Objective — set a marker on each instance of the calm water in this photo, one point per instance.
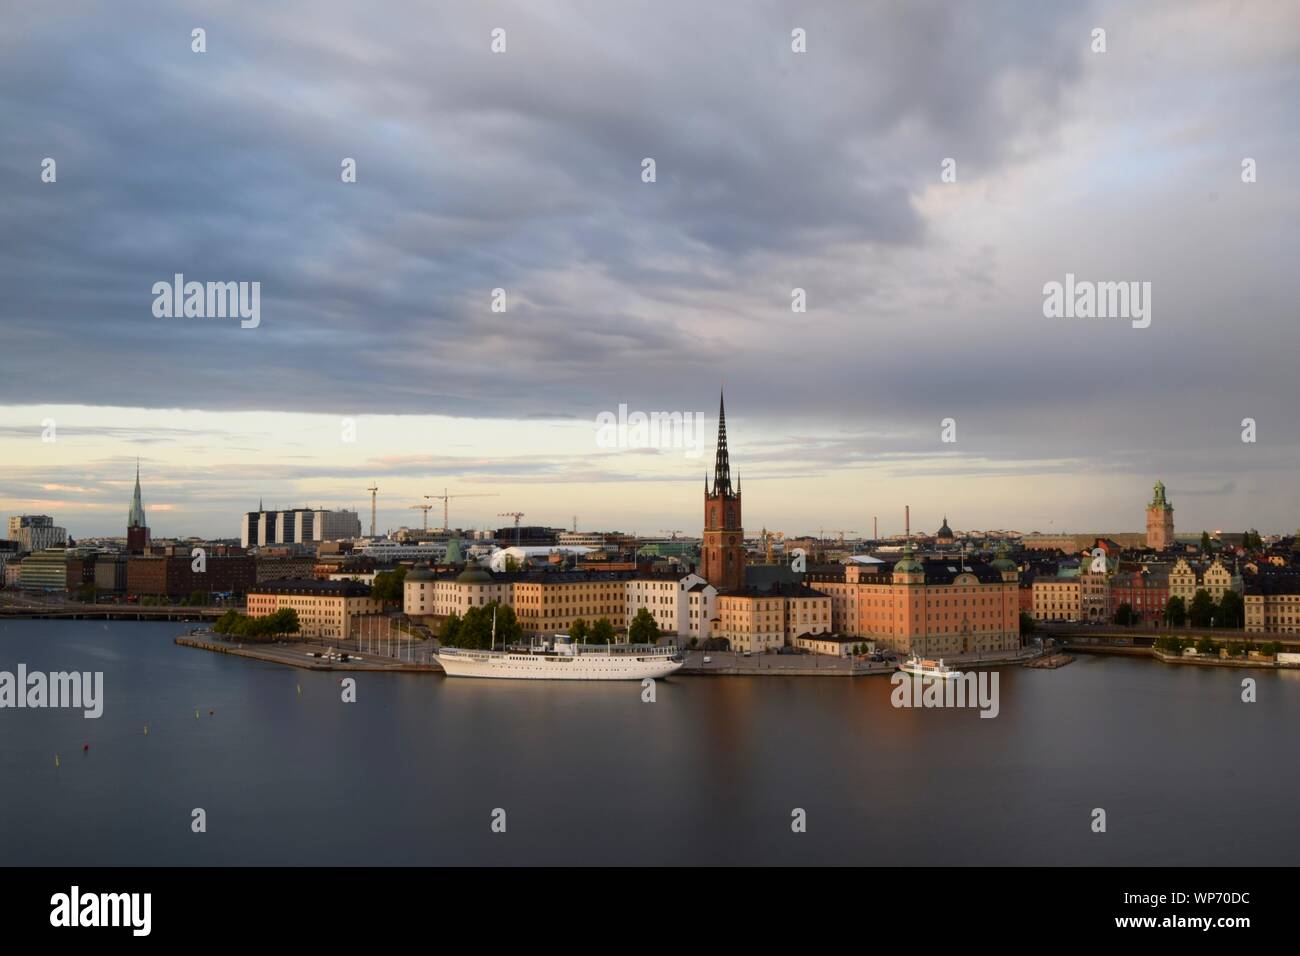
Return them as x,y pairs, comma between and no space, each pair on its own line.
587,773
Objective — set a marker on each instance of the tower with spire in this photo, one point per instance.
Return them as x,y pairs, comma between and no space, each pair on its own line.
137,531
722,555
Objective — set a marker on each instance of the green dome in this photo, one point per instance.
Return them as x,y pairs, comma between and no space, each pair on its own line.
473,574
1002,561
908,562
420,572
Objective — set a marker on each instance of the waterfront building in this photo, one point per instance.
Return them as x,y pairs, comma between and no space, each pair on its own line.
1094,589
1272,603
1058,597
548,602
1187,577
681,604
110,573
757,620
326,609
832,645
137,529
45,570
427,594
1160,520
1145,590
37,533
722,553
931,607
172,575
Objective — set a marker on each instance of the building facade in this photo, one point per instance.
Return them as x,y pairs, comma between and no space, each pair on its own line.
756,621
326,609
932,607
1273,603
681,604
37,532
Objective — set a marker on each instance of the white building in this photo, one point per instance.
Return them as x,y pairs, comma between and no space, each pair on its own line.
298,526
682,604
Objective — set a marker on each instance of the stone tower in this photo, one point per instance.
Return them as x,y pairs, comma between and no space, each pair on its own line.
723,552
1160,520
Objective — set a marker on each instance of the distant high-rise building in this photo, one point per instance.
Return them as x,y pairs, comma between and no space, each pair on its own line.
1160,520
137,530
37,532
298,526
722,555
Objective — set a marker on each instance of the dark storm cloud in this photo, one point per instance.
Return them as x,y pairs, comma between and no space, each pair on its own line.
476,171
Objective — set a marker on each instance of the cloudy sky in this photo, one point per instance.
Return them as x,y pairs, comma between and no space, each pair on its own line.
522,170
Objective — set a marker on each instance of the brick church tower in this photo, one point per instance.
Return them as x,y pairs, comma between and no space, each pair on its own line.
723,552
1160,520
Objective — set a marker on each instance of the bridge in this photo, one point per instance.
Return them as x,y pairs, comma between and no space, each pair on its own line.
111,612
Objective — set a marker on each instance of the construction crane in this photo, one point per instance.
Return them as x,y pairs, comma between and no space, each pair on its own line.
671,531
446,497
842,533
374,490
425,509
516,515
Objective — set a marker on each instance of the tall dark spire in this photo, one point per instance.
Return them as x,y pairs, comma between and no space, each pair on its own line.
136,517
721,463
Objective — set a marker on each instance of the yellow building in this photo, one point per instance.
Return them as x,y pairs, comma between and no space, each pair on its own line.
550,601
754,620
1273,604
1186,578
326,609
1058,599
429,595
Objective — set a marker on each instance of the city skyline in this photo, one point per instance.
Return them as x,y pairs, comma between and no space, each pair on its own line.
925,297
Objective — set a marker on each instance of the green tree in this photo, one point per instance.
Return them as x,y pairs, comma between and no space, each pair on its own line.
1205,542
388,586
578,631
449,631
198,598
226,623
602,632
1202,609
1027,624
1176,612
86,593
1124,614
1232,610
643,629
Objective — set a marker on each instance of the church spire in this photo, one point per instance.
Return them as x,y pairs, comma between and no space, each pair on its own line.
136,517
721,463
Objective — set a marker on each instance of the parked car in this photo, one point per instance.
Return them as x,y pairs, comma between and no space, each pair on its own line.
707,659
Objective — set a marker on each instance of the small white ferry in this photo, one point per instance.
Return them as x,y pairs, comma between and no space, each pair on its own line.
919,667
561,659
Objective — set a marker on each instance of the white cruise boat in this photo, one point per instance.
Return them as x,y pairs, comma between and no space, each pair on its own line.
561,659
919,667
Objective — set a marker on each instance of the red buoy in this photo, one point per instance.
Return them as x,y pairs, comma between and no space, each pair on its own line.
85,747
